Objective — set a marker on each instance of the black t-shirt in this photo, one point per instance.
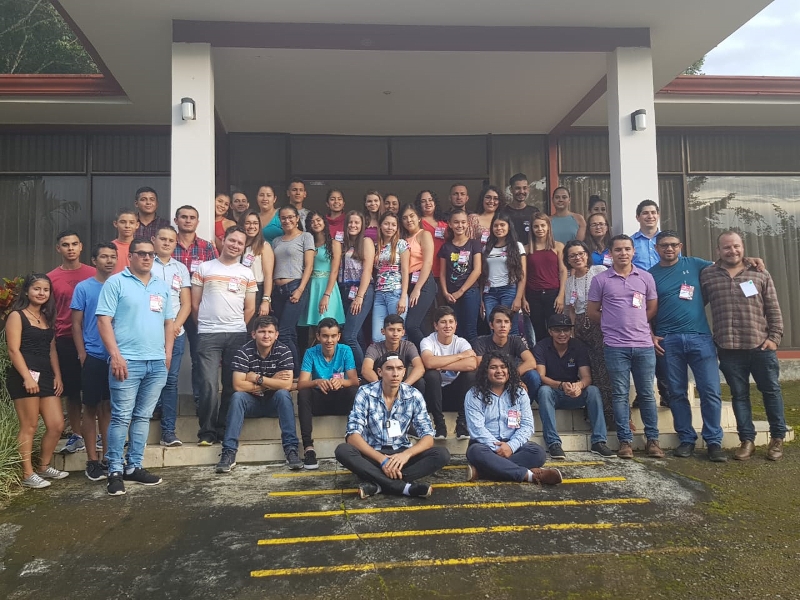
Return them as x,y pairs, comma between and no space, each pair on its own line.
522,219
459,261
562,368
515,346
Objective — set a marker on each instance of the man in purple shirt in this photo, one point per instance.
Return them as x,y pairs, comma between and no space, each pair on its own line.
628,298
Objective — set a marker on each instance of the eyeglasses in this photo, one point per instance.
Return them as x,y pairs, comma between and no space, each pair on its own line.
288,218
561,329
669,245
491,199
575,255
142,254
599,224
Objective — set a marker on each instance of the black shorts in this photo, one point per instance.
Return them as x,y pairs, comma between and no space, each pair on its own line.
16,388
70,366
94,377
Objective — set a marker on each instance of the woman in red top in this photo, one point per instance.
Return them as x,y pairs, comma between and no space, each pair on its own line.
335,217
222,202
546,276
431,220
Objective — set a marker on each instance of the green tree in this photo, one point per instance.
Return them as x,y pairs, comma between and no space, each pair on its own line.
34,39
696,67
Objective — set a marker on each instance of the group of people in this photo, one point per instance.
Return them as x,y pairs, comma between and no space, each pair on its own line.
572,313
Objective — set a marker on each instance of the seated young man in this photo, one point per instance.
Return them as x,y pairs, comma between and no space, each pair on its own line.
393,331
327,385
376,446
500,424
449,361
564,366
262,376
513,346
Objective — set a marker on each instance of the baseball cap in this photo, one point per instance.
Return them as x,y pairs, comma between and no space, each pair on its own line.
559,321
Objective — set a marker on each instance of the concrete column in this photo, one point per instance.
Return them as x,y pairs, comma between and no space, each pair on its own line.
192,180
634,168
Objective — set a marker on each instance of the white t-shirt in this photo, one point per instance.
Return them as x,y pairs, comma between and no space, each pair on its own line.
577,289
433,345
497,267
224,290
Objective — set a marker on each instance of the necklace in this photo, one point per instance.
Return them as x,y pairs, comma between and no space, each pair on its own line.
38,320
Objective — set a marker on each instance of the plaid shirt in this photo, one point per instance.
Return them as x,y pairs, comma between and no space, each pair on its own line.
149,231
369,416
739,322
199,250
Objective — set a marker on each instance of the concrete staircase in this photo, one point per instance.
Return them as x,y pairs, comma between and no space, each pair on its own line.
260,439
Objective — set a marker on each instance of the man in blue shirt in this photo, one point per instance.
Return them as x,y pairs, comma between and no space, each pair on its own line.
377,448
93,356
134,317
327,385
500,424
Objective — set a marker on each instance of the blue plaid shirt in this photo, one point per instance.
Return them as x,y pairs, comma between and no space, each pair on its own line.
369,416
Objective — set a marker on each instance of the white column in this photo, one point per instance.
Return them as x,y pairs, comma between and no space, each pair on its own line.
193,177
634,168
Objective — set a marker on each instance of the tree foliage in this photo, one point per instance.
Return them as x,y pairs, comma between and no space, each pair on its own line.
34,39
696,67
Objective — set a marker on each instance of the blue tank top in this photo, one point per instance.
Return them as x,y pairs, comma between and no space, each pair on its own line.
564,228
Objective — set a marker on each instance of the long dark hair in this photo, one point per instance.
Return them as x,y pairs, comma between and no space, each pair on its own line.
403,209
437,210
482,386
357,242
513,256
501,199
326,232
391,241
22,301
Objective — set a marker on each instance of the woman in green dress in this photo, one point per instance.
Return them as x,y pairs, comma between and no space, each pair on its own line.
324,298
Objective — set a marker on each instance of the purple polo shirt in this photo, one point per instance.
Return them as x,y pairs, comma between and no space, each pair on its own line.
623,325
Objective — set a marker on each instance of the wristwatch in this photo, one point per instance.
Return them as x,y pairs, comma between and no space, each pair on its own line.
260,380
266,299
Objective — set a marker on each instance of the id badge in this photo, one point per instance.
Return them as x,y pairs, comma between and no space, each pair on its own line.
687,292
638,300
514,419
233,284
338,376
393,428
607,262
463,257
573,297
439,233
353,292
484,237
415,277
155,302
486,289
34,375
176,283
196,262
339,237
248,260
749,288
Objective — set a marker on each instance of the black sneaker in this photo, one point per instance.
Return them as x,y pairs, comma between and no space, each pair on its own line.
716,453
115,485
603,450
420,490
139,475
684,450
367,489
227,460
94,472
293,460
441,432
310,460
556,452
462,433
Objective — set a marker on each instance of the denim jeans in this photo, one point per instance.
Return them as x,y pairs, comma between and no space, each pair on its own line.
168,401
213,409
354,323
272,404
620,364
681,351
551,399
467,309
501,296
289,316
533,382
416,314
190,327
497,468
385,304
132,404
737,366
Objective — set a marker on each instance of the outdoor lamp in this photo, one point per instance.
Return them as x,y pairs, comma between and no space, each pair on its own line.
639,120
187,109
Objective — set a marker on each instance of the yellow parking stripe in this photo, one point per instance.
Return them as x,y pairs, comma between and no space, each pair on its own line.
586,463
440,486
352,537
424,507
455,562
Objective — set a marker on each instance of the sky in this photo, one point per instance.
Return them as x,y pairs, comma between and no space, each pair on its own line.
768,44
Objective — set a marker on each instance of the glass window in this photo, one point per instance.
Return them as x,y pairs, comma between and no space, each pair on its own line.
512,154
256,159
110,193
135,153
754,153
439,155
318,155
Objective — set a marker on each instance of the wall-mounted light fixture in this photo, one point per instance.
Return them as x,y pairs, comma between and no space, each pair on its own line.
187,109
639,120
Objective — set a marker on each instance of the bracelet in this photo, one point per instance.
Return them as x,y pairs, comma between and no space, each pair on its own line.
385,460
361,297
328,295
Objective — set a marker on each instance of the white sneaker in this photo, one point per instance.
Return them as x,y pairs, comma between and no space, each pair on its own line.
35,482
53,473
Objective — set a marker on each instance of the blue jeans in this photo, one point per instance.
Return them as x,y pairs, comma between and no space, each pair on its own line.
271,404
289,316
216,348
168,402
192,339
467,309
551,399
132,404
416,314
620,364
698,352
385,304
737,366
533,382
354,323
497,468
501,296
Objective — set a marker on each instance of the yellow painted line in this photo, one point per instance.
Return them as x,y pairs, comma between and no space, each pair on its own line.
457,562
587,463
352,537
440,486
424,507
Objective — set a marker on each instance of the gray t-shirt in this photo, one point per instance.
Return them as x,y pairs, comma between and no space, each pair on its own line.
290,256
514,347
407,351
